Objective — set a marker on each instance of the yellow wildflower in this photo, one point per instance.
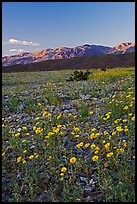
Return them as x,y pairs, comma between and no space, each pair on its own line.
108,116
107,145
62,174
23,141
128,96
104,118
131,104
120,150
45,113
115,121
17,134
3,154
110,154
18,159
46,137
39,104
124,120
38,130
125,108
49,115
64,169
50,133
59,116
92,135
31,157
97,148
91,112
94,158
72,160
87,145
97,134
93,145
105,164
109,112
126,128
59,126
72,133
113,133
50,157
61,133
80,144
125,144
106,133
76,129
37,156
34,128
24,128
69,114
119,129
94,129
56,130
24,161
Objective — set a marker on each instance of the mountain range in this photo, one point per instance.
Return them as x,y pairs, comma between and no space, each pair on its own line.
66,53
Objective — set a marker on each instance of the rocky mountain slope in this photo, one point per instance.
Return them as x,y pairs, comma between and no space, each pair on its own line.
86,62
124,48
65,53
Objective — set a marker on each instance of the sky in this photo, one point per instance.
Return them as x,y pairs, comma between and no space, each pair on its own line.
34,26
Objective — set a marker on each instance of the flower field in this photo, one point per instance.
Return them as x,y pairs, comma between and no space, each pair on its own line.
68,141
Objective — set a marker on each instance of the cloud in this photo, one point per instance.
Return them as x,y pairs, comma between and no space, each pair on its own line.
13,41
16,50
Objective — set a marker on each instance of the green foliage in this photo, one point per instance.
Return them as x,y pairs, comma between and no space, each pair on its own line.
79,75
103,69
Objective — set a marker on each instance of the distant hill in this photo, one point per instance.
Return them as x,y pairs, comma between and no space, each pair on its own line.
110,60
66,53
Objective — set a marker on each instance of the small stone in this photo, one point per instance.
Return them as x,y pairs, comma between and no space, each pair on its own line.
84,180
91,181
43,197
19,129
88,191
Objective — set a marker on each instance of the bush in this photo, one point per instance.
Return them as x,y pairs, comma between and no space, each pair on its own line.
79,75
103,69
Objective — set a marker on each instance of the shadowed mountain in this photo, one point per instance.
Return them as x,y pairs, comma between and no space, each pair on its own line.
86,62
66,53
